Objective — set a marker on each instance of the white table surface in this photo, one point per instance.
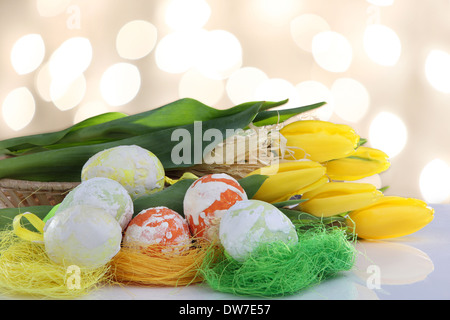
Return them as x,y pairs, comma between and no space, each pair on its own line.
408,268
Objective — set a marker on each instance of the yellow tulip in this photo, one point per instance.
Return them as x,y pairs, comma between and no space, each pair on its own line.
335,198
363,163
390,217
289,178
319,140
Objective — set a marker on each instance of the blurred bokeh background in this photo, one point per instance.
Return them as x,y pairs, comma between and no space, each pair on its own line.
383,66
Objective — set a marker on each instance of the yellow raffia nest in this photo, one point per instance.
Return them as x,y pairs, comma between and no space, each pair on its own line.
26,270
153,266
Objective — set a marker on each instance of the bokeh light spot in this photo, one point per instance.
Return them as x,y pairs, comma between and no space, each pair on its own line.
90,109
435,181
388,133
43,81
277,89
275,11
194,84
28,53
176,52
71,59
18,108
351,99
382,44
332,51
120,83
67,96
437,70
136,39
51,8
242,84
305,27
219,54
187,14
311,92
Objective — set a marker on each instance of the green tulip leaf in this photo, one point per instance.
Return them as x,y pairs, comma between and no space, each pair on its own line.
26,143
7,216
270,117
288,203
171,197
251,184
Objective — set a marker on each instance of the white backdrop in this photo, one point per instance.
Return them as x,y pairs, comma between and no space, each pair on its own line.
383,66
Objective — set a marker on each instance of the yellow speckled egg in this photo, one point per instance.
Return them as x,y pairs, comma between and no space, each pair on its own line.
138,170
83,235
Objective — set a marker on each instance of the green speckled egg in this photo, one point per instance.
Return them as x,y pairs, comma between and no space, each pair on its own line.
249,223
103,193
138,170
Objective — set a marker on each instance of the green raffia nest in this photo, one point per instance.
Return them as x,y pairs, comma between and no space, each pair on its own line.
276,269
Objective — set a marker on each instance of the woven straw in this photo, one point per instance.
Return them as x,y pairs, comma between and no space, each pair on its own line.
20,193
253,149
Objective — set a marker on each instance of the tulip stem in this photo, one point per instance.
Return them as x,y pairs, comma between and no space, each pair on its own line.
304,220
362,141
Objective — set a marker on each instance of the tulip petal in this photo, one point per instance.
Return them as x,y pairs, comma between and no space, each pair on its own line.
363,163
289,178
319,140
390,217
336,198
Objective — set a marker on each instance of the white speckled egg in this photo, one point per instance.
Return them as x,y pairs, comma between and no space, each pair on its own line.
158,226
207,199
104,193
135,168
250,223
82,235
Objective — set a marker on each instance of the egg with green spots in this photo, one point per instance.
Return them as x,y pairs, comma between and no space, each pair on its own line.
81,235
250,223
103,193
137,169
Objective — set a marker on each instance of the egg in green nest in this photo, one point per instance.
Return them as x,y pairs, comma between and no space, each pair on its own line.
250,223
137,169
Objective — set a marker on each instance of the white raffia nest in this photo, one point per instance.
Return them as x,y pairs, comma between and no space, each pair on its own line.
243,153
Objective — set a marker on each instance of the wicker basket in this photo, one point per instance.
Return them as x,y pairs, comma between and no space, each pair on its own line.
19,193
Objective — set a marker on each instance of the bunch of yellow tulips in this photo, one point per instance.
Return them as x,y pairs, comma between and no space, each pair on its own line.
323,163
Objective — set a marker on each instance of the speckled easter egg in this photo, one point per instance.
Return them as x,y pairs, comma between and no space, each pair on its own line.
250,223
138,170
103,193
82,235
160,226
207,199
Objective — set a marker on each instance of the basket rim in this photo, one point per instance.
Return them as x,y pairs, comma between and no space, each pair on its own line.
36,185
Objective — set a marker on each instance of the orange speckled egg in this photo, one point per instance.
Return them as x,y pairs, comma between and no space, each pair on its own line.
158,226
207,199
